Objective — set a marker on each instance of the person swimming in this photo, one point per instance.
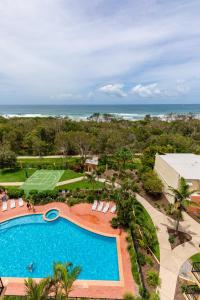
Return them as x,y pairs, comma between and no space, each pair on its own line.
30,267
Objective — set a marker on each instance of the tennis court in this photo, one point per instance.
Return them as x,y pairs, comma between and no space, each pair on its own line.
42,180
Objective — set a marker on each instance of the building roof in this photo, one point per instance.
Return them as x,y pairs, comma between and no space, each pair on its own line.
186,164
93,161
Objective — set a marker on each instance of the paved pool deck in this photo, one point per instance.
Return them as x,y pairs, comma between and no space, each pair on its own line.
97,222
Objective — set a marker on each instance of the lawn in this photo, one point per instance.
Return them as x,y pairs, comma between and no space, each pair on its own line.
57,160
70,174
42,180
195,258
84,184
14,175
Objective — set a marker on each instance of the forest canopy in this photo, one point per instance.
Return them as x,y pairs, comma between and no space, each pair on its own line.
46,136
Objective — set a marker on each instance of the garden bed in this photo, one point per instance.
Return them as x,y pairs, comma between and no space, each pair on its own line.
178,238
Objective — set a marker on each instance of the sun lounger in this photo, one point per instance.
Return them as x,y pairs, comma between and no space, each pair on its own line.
4,206
100,206
106,208
20,202
12,203
94,205
113,209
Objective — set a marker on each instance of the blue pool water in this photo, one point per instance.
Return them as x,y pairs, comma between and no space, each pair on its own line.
30,239
52,214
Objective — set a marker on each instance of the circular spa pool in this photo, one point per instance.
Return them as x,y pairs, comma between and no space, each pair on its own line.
51,215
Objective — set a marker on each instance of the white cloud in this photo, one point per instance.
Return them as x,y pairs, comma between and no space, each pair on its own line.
149,90
51,46
113,90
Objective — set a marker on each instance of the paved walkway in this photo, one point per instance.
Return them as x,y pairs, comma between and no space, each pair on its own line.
71,180
172,260
58,184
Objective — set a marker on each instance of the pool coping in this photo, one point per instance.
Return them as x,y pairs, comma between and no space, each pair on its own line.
84,283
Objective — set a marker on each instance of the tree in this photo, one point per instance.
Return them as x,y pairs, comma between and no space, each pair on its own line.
123,155
91,178
7,158
64,277
37,291
152,183
181,200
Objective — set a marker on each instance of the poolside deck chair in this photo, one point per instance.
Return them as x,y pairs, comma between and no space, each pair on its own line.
12,203
106,207
4,206
20,202
113,209
100,206
94,205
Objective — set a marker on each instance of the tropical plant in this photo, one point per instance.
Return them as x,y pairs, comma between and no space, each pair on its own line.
37,291
181,200
153,278
91,178
64,276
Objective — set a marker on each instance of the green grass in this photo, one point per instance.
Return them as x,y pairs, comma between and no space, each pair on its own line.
84,184
195,258
70,174
57,160
42,180
14,175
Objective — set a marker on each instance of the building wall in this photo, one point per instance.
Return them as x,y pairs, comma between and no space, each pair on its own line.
168,176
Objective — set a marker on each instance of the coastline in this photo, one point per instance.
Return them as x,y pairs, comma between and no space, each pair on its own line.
83,112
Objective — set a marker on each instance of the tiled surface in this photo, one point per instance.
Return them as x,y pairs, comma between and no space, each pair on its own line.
95,221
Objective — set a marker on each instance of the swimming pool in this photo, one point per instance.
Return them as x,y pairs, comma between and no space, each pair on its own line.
31,240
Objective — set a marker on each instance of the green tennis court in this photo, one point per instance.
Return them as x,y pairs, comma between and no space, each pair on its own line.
42,180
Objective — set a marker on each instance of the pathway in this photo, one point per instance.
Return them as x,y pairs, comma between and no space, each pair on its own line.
58,184
172,260
71,180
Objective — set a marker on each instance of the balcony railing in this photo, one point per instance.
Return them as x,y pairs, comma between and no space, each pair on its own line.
196,270
192,292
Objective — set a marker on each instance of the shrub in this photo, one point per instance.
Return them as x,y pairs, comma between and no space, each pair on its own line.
153,278
15,193
128,296
141,259
172,239
152,183
114,223
73,201
154,296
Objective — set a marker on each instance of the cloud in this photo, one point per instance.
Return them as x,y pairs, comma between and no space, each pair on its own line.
149,90
113,90
47,47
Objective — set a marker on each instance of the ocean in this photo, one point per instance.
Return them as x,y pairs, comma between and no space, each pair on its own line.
78,112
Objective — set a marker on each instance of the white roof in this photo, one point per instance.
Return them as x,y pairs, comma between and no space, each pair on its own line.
93,161
186,164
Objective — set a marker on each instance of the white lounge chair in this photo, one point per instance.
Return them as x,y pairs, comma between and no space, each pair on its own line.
106,207
94,205
20,202
100,206
113,209
4,206
12,203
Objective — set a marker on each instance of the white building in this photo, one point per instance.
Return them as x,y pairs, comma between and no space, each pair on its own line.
171,167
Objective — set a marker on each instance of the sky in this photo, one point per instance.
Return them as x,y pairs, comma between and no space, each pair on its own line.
99,51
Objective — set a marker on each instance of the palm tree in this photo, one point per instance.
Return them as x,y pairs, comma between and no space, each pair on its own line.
92,178
64,277
37,291
181,201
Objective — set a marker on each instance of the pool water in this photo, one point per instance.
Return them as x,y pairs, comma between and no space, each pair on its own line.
52,214
31,240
